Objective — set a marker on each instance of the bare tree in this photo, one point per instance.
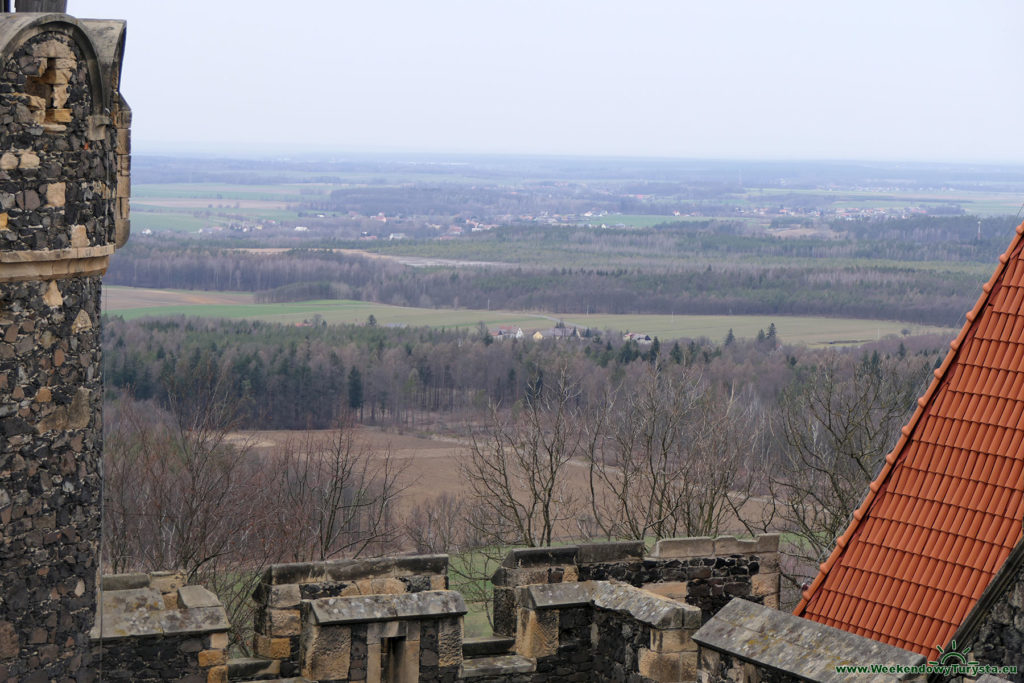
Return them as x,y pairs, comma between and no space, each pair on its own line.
438,525
675,458
339,495
837,422
517,472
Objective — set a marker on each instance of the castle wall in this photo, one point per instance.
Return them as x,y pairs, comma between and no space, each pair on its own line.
63,210
704,572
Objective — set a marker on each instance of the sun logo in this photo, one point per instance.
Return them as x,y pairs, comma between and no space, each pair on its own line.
953,656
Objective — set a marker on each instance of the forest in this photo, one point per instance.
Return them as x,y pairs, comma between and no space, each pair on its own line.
887,270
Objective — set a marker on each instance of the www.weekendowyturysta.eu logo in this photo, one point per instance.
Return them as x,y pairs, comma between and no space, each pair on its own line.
952,662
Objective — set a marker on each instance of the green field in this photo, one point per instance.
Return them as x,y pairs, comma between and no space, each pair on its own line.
131,303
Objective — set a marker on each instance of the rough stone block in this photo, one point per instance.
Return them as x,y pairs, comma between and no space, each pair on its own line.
196,596
209,658
167,582
218,641
284,622
387,607
537,633
674,590
660,667
449,642
554,595
273,648
438,583
673,640
79,236
218,674
762,585
283,596
326,652
699,546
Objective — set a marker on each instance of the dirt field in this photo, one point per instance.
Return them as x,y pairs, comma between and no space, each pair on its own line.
125,298
431,467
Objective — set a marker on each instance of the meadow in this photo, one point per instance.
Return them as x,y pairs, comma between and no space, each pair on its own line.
132,303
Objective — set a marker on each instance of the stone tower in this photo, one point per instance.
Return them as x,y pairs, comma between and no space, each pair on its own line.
64,185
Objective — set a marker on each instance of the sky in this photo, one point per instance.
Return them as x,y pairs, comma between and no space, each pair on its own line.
911,80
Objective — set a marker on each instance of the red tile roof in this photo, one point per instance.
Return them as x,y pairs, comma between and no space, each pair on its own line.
946,509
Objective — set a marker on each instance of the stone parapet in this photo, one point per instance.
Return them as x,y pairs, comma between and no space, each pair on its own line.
416,636
704,572
747,642
154,628
606,632
285,588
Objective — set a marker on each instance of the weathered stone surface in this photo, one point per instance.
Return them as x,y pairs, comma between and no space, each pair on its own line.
497,666
616,551
387,607
537,633
554,595
653,610
352,570
196,596
780,642
326,652
701,546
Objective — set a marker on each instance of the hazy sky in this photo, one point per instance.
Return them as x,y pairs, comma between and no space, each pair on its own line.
889,80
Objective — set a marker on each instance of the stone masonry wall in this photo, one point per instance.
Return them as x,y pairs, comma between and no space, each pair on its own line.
996,635
703,572
284,588
154,628
50,445
63,209
61,169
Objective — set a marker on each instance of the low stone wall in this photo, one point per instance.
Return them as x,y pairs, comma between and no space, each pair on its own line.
153,628
605,632
285,587
746,643
414,636
704,572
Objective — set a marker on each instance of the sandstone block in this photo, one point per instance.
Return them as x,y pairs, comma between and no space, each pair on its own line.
218,674
8,162
537,633
53,49
209,658
218,641
764,584
81,323
658,666
284,595
284,622
449,642
55,194
673,640
52,296
326,652
28,160
79,237
273,648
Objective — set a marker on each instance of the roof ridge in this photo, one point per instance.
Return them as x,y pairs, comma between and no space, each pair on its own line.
922,403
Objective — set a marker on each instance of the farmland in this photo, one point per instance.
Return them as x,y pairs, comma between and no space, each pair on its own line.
132,303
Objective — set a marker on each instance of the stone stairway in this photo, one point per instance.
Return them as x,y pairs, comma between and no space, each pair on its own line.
493,656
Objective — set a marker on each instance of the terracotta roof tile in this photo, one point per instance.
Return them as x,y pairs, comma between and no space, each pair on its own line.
943,515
